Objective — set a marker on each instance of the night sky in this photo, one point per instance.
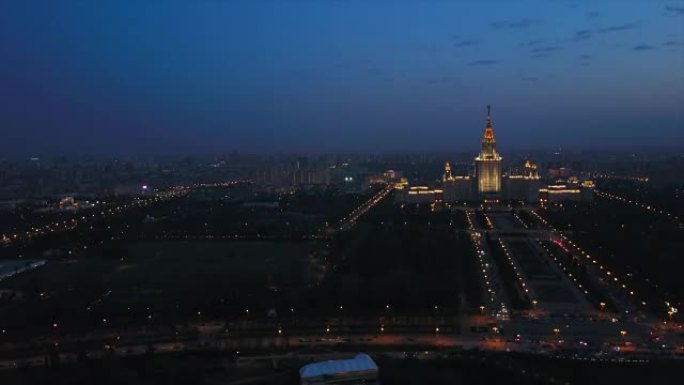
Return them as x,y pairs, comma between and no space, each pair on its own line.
151,77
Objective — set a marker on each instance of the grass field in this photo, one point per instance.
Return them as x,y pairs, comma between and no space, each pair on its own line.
167,280
412,259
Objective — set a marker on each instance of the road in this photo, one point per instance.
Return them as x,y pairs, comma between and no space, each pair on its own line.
350,219
537,337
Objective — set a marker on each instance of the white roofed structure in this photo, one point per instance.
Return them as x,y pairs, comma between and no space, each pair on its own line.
358,370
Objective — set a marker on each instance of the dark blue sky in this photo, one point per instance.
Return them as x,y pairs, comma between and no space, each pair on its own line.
136,77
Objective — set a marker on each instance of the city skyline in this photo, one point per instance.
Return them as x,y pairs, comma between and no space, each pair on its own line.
210,78
368,192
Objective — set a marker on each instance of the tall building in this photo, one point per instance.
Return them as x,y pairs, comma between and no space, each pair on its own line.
488,163
489,183
457,187
522,186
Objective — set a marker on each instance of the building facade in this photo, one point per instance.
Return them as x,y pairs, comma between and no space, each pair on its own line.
488,164
488,183
522,186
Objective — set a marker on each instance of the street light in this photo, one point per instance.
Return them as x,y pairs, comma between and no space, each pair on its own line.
482,309
623,333
603,305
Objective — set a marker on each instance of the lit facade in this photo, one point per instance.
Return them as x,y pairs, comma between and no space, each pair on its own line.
570,189
488,163
457,187
523,186
488,183
417,194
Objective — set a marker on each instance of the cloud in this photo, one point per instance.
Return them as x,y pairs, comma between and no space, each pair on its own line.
374,71
378,74
465,43
675,10
529,78
672,43
584,34
484,62
584,59
304,73
540,52
593,15
531,43
515,24
643,47
546,49
616,28
440,80
428,47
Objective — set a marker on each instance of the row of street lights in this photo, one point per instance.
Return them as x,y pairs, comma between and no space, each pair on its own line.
485,267
367,205
609,276
649,208
171,193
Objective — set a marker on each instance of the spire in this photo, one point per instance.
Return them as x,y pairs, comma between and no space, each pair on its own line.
489,131
489,115
447,172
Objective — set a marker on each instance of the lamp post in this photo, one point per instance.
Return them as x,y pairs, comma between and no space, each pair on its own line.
671,312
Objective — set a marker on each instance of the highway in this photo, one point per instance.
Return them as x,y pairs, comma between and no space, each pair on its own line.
104,210
350,219
538,336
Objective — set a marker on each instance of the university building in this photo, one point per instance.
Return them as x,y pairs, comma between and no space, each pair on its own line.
487,183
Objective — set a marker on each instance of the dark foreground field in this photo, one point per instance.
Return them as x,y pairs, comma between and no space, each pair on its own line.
460,368
404,260
159,282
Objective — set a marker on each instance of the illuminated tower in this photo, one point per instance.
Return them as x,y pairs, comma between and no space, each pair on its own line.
447,173
488,163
